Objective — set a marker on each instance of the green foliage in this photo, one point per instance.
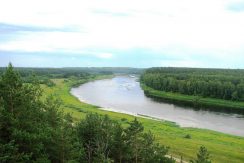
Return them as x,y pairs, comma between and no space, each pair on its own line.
31,129
105,140
203,156
188,136
79,72
195,101
9,153
214,83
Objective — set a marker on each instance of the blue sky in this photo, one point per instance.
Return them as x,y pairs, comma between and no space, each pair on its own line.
138,33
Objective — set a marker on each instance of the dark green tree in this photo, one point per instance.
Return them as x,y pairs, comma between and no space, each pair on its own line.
31,129
153,152
96,133
203,156
134,139
119,147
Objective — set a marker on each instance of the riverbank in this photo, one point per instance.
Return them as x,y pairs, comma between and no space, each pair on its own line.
195,101
223,147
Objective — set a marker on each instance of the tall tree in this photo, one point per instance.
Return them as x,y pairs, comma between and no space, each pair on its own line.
28,126
134,139
203,156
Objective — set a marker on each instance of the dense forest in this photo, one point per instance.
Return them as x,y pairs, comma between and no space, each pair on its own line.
225,84
75,72
43,75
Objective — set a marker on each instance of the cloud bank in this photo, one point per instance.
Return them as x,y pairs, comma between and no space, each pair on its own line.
141,33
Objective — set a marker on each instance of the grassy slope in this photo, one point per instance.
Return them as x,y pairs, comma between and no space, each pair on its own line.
223,148
194,100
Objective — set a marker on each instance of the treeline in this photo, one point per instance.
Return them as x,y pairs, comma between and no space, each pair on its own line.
215,83
49,72
43,75
32,130
74,72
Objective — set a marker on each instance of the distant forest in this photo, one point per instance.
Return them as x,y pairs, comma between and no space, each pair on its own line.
43,75
68,72
225,84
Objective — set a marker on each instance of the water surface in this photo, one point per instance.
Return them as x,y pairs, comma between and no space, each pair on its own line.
123,94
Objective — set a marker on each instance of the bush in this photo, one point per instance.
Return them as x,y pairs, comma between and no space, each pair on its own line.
188,136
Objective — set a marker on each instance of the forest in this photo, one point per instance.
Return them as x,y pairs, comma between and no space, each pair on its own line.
73,71
33,129
227,84
43,75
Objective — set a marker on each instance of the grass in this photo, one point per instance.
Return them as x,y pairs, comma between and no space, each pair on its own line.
197,101
224,148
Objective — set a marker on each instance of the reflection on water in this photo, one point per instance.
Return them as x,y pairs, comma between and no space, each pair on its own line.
123,94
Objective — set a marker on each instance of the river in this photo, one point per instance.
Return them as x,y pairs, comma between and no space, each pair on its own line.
123,94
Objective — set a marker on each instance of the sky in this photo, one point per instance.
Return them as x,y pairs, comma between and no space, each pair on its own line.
122,33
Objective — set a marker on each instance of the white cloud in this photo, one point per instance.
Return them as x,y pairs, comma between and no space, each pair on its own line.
104,55
196,26
181,63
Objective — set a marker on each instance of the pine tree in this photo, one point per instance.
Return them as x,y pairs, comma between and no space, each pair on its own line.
119,147
29,128
21,109
203,156
134,139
